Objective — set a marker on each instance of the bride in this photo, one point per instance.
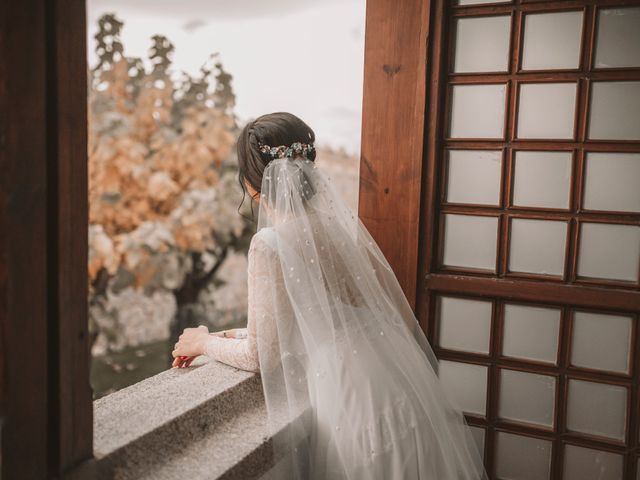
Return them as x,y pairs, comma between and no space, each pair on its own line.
350,381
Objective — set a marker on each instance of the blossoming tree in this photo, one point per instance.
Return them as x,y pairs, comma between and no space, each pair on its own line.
167,245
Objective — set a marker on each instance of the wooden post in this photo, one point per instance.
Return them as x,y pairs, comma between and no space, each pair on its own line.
47,399
393,116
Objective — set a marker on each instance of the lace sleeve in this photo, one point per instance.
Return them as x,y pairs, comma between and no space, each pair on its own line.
261,278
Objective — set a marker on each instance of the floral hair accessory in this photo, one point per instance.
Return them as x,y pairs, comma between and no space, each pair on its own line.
282,151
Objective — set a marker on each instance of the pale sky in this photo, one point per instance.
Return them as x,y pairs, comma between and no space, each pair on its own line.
301,56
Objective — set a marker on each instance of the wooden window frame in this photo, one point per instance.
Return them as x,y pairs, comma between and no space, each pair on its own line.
396,144
568,292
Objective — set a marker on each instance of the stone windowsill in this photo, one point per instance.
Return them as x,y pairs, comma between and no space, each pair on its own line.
205,421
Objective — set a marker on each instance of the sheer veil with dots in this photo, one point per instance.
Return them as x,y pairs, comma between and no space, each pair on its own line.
350,380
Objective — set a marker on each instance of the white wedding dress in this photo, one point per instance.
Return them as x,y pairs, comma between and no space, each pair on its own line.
349,378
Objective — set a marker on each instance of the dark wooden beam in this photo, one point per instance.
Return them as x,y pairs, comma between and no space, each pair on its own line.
393,113
3,230
47,404
24,166
69,146
536,291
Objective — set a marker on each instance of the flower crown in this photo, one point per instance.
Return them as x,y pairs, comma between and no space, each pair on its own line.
282,151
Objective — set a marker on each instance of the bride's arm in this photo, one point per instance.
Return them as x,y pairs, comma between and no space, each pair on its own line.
239,347
242,352
237,352
232,333
192,342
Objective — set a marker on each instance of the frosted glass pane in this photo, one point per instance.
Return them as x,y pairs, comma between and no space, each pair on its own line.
470,241
597,409
586,464
482,44
537,246
477,111
478,435
601,341
552,40
531,332
527,397
609,251
618,40
465,384
612,182
542,179
522,458
464,324
546,110
474,176
615,111
477,2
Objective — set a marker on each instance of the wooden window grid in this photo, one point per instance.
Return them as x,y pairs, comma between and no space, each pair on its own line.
568,292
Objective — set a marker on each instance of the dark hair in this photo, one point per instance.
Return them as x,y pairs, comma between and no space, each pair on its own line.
274,129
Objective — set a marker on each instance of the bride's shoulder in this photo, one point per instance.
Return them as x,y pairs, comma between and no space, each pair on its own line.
265,237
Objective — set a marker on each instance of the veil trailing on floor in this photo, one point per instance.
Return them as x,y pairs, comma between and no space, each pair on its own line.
349,378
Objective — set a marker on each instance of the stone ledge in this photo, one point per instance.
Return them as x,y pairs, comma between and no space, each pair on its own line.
205,421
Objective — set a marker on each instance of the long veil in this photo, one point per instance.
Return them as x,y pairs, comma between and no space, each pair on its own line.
346,369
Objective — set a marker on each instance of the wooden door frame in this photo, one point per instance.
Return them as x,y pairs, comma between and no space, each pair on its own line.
45,398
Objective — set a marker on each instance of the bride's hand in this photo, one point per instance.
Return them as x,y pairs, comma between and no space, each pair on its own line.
191,343
182,362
